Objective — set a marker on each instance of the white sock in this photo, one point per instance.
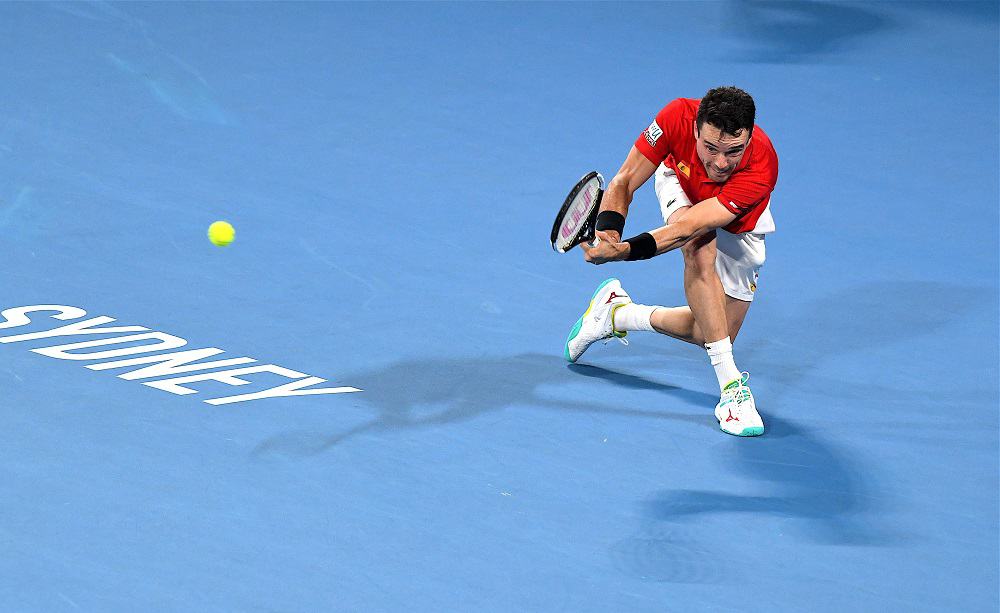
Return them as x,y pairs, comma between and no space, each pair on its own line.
633,316
721,355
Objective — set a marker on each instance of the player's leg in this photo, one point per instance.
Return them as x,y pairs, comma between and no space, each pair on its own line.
706,297
738,262
611,312
679,322
736,410
720,277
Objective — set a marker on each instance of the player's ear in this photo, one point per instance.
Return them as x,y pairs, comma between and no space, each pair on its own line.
694,128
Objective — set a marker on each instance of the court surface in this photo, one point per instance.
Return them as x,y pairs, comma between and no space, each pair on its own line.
392,171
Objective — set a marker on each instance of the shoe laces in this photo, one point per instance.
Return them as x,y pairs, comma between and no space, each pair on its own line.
740,393
624,341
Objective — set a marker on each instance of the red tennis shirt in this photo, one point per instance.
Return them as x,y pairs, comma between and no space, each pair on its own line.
747,192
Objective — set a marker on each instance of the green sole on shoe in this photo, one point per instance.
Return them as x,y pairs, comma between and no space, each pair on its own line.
579,322
746,431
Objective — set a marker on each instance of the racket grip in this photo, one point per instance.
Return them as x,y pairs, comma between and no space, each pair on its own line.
594,242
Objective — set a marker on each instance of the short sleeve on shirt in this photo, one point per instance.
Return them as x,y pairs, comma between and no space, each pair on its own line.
750,187
654,142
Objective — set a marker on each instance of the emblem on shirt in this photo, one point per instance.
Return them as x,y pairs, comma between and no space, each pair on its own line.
653,134
681,166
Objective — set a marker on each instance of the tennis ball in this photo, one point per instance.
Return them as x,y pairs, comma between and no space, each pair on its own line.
221,233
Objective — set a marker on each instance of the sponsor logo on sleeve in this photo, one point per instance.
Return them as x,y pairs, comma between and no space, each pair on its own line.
653,134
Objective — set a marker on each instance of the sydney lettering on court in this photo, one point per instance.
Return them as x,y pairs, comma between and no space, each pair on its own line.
155,364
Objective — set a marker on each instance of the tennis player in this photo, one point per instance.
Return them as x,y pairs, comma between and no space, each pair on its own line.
714,175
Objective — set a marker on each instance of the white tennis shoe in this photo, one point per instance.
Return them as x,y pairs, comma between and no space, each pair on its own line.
597,322
737,411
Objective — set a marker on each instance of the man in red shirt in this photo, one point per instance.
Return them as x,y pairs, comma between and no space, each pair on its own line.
714,175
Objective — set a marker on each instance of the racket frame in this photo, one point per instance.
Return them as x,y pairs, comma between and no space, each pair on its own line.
587,231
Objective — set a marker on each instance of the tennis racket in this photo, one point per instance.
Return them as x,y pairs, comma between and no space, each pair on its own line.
576,221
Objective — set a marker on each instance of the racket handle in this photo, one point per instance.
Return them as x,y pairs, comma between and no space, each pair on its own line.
594,242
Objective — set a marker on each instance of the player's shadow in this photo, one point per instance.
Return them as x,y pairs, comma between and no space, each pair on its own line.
802,31
802,478
629,381
419,393
814,481
856,319
980,12
778,31
795,475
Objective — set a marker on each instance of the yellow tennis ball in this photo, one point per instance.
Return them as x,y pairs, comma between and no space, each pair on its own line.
221,233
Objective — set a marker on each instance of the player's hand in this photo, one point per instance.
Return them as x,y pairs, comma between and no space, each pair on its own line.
613,236
607,250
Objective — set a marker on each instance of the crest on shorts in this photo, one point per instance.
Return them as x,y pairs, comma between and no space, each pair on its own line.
681,166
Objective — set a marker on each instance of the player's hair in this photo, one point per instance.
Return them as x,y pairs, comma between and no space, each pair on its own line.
730,109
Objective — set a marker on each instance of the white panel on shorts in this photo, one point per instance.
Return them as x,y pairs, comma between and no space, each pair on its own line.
669,192
740,256
738,261
765,223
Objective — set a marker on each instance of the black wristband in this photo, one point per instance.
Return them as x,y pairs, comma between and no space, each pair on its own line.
641,247
611,220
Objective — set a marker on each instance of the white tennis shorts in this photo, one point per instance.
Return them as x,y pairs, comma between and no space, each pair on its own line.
740,256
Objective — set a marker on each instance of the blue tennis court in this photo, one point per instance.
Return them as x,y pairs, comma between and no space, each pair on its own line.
392,171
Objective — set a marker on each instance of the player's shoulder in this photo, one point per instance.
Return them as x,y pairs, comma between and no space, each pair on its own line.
681,108
763,149
761,161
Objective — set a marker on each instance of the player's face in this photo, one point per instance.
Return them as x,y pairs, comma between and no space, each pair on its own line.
719,152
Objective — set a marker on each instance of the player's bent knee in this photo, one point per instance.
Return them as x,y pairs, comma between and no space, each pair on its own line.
694,257
698,255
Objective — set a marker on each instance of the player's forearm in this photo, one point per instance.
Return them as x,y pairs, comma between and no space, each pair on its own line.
675,235
666,238
635,171
617,198
702,218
